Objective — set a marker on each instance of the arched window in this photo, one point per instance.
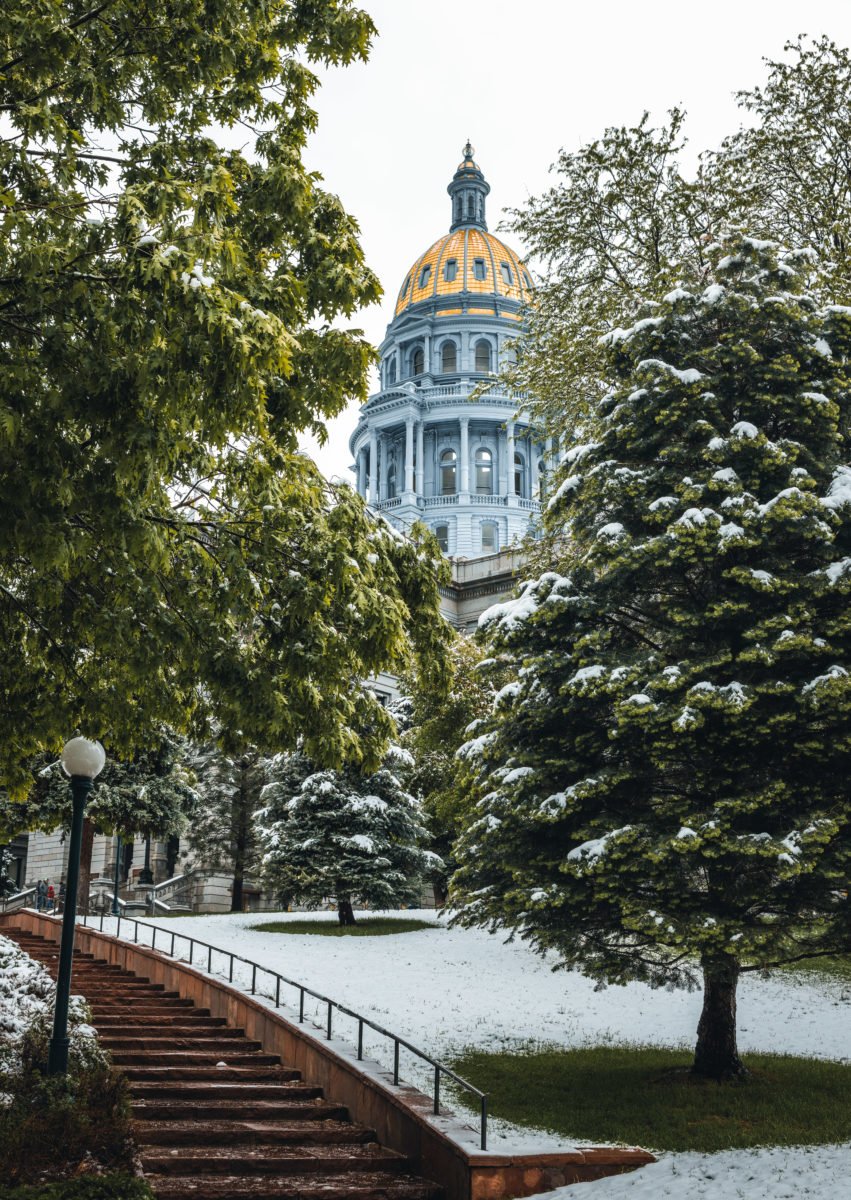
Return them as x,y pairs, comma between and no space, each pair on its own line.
483,356
489,540
519,476
425,275
506,274
542,480
418,361
441,532
391,371
391,476
448,468
484,472
448,357
450,269
480,271
471,205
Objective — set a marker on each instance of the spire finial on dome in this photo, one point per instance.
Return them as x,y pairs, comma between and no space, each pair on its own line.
468,190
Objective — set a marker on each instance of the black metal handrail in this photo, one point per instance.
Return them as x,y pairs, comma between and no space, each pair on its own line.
363,1022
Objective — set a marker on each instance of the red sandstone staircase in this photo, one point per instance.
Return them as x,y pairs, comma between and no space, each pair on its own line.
214,1117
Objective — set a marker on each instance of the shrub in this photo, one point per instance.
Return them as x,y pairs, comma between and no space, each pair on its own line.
114,1186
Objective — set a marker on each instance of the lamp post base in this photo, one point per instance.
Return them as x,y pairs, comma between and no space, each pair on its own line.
57,1056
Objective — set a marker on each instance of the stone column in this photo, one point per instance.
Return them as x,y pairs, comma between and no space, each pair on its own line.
509,454
361,467
533,469
409,454
503,462
373,467
420,459
465,455
427,355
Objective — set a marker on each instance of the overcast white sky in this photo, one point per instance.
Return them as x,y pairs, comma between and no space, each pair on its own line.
521,79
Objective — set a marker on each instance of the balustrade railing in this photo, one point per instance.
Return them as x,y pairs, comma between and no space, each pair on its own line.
329,1005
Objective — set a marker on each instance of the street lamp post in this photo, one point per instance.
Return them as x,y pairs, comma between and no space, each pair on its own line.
116,912
83,761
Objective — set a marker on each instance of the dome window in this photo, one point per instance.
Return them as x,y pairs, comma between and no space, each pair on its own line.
542,480
480,271
417,361
448,358
450,269
483,356
489,542
484,472
528,280
405,286
507,277
441,532
519,476
425,276
448,467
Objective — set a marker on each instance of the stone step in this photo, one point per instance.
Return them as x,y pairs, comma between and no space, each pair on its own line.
199,1161
249,1110
209,1044
156,1021
236,1091
124,1008
192,1058
248,1074
156,1033
351,1186
255,1133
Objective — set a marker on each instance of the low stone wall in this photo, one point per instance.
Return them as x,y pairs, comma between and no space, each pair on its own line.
401,1116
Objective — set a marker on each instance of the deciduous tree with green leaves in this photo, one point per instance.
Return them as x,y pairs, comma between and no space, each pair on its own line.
170,320
663,794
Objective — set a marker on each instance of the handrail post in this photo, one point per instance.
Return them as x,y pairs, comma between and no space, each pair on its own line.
191,949
329,1021
253,978
172,945
360,1039
209,960
277,991
101,922
154,938
136,932
230,970
485,1122
396,1062
118,926
301,1005
437,1091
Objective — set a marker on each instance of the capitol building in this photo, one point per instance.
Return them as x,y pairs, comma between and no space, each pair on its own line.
444,441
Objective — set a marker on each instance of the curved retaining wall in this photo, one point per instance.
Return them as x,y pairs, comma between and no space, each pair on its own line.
401,1116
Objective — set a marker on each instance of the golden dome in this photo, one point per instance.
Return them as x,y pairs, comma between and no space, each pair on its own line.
471,261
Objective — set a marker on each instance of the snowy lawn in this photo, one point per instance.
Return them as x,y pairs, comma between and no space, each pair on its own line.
449,990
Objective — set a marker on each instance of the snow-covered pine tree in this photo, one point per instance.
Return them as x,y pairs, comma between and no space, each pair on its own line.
665,786
222,836
342,834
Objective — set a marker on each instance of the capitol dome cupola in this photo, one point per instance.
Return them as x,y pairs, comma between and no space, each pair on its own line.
445,439
468,190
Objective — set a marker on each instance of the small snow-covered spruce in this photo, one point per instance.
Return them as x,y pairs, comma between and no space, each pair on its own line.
667,791
342,834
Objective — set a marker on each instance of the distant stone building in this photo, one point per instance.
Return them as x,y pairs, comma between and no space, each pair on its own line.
443,441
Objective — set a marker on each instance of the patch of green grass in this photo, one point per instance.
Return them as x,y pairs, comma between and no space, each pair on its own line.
363,927
832,967
646,1097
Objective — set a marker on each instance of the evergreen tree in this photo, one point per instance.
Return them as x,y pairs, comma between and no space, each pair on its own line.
223,836
358,838
174,315
432,730
665,786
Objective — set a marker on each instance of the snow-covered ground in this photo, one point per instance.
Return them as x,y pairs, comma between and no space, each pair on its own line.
446,989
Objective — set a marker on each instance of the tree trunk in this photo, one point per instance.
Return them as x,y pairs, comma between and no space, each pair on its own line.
85,866
344,912
716,1055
